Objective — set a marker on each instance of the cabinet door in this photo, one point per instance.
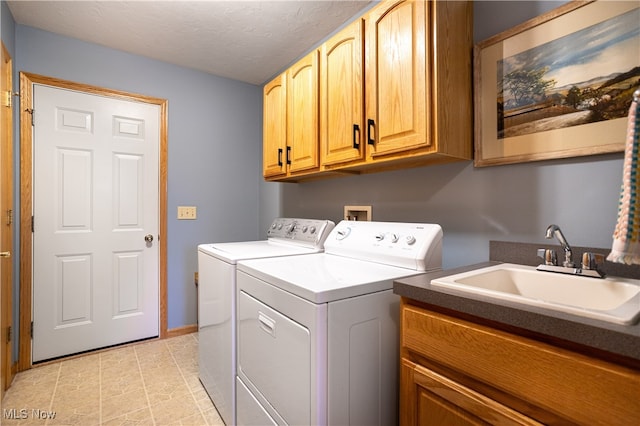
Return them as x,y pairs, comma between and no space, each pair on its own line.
302,114
397,64
341,101
437,400
274,124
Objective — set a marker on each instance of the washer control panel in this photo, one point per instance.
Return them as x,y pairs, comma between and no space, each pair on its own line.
411,245
311,232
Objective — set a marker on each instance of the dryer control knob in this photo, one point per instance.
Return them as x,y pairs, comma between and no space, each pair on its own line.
394,238
312,229
410,239
343,233
379,237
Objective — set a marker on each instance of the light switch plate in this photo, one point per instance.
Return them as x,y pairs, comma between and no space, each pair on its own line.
186,212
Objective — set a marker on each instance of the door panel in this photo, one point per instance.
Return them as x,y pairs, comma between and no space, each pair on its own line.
128,287
95,200
127,190
73,290
74,190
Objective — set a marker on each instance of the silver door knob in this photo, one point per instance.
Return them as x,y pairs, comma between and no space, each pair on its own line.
148,238
5,254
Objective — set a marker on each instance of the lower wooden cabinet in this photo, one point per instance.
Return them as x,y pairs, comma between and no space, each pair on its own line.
457,372
434,399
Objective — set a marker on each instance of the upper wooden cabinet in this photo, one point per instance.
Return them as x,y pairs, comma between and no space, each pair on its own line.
302,114
342,96
396,84
290,127
395,91
274,124
419,81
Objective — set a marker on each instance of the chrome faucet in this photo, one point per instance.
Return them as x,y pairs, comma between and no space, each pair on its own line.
554,231
590,261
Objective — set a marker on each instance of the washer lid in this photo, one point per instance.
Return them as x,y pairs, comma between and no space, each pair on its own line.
322,278
233,252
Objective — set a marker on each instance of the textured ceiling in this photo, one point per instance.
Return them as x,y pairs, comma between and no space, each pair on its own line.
249,41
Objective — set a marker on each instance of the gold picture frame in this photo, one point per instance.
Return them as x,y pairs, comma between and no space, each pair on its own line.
538,91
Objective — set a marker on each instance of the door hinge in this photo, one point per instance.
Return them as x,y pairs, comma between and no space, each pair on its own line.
10,96
33,120
32,224
8,334
9,217
31,331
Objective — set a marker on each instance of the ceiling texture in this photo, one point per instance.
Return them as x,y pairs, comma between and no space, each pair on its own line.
250,41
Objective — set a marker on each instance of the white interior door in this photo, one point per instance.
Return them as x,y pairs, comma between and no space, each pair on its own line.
95,202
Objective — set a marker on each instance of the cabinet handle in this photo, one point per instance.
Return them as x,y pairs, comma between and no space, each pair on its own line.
288,155
280,157
370,129
356,136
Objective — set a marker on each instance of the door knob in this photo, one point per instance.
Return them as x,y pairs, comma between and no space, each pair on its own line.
5,254
148,238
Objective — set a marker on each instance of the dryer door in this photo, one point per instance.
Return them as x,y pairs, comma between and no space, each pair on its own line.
274,359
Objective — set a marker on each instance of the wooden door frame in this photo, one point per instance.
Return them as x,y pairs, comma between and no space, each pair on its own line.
6,299
27,80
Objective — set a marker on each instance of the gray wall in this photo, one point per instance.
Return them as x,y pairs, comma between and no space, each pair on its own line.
215,139
7,27
215,124
475,205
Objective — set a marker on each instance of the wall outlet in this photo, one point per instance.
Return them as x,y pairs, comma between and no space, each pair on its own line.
357,213
186,212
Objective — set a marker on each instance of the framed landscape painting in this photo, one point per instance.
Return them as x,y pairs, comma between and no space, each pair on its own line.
559,85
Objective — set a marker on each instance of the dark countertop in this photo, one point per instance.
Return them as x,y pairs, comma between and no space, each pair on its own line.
614,342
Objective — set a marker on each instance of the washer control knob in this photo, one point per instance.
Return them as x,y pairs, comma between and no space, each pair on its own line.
279,226
410,239
305,228
291,227
394,238
312,229
379,237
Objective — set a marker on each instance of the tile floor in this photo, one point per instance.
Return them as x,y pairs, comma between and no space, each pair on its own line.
150,383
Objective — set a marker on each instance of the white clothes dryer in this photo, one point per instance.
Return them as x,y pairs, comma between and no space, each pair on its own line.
217,299
318,334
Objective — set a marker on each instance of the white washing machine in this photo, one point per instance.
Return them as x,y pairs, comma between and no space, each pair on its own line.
318,334
217,299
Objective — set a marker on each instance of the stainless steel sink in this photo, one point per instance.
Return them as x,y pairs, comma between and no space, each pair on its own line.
610,299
